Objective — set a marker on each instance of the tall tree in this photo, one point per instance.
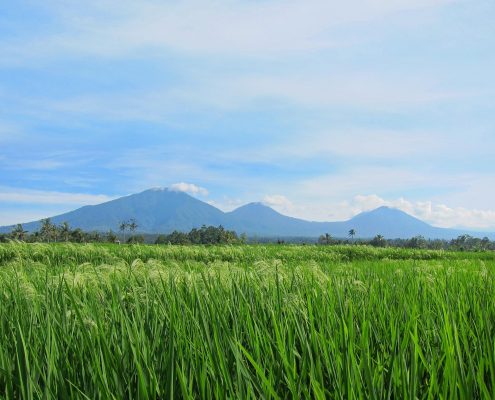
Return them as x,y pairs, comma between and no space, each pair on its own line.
352,233
48,230
123,227
18,232
77,235
325,239
132,225
485,243
64,231
111,237
378,241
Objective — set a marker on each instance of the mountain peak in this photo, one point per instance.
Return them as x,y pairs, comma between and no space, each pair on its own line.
163,191
385,211
255,204
162,210
389,221
254,207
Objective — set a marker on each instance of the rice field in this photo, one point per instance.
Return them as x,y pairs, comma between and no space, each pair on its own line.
245,322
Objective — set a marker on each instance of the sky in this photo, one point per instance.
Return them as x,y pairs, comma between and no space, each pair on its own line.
319,108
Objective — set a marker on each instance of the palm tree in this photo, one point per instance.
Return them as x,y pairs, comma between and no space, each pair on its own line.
77,235
18,232
132,225
378,241
47,230
65,231
352,233
328,238
123,227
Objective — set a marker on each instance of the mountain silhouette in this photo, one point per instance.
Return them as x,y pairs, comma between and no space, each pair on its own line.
162,210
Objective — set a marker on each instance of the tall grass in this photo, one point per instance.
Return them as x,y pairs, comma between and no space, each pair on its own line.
274,322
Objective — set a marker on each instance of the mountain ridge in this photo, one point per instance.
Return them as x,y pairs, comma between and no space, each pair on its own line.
161,210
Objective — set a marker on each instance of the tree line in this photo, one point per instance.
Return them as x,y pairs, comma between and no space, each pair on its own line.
50,232
461,243
203,235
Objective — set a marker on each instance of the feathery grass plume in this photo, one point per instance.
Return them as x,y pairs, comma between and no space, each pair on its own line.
109,321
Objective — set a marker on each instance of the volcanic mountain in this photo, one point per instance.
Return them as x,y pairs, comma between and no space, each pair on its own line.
163,210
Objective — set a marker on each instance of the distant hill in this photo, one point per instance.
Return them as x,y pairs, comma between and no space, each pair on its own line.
259,219
155,210
394,223
163,210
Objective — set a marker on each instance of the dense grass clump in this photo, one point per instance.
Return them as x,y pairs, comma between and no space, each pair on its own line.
115,322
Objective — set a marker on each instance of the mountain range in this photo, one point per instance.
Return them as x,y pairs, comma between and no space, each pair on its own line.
163,210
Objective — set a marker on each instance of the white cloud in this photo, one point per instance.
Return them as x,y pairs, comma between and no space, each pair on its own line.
269,28
443,185
11,217
321,87
231,91
400,144
315,88
437,214
145,167
189,188
28,196
278,202
347,183
452,199
226,203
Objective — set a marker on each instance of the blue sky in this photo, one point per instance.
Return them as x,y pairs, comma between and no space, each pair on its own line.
318,108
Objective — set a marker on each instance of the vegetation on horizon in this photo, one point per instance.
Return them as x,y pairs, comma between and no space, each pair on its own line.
461,243
50,232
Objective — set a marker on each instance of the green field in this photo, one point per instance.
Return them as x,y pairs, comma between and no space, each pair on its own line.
129,322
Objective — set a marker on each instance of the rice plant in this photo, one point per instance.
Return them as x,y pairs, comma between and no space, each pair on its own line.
245,322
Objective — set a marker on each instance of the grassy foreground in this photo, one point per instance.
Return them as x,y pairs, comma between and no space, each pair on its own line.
139,322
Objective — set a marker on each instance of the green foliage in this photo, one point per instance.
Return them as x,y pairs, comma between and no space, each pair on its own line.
326,239
417,242
63,233
204,235
18,233
109,321
462,243
378,241
136,239
48,231
111,237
